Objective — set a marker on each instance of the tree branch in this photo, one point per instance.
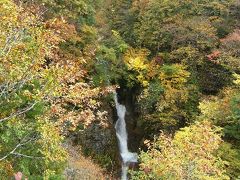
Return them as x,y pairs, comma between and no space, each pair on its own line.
27,156
4,157
22,143
18,113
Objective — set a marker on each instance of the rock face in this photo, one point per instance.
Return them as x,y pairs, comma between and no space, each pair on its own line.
99,141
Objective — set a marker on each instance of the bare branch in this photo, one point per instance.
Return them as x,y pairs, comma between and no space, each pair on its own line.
4,157
7,88
27,156
12,40
22,143
18,113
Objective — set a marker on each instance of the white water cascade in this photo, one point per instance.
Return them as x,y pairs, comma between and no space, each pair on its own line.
122,136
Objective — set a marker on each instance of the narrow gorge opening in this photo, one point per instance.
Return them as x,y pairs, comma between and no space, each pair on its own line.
122,136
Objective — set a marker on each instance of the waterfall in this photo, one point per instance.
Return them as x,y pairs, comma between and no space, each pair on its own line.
122,136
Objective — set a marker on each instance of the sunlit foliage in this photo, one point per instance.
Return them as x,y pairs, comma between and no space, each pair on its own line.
29,141
60,60
188,155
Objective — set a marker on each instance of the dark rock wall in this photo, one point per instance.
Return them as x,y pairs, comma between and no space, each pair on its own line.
99,140
100,143
127,97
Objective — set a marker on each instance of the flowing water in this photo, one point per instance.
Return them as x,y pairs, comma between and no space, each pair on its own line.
122,136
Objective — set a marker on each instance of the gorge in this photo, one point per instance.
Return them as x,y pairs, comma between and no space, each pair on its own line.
92,88
122,136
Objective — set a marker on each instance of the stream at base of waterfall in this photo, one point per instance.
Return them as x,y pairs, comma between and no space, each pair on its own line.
122,136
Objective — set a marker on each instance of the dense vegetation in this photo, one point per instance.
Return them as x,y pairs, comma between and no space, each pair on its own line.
61,60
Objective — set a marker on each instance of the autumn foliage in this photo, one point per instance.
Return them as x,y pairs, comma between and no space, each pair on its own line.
177,63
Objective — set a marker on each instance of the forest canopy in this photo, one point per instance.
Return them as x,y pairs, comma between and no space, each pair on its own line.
175,64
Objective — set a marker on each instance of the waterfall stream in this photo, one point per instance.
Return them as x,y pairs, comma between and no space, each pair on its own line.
122,136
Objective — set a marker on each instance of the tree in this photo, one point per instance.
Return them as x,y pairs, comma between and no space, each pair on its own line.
29,142
189,155
121,18
170,24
